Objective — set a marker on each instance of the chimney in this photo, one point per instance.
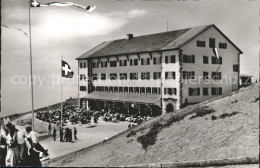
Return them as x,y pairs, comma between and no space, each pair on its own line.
130,36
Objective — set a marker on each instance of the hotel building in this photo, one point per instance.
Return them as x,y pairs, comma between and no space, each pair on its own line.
159,73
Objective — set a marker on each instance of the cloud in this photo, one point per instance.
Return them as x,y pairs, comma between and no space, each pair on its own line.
64,23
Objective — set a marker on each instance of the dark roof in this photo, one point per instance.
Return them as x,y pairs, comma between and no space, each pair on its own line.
124,97
148,43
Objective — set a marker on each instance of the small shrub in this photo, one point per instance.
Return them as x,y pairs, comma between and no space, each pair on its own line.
213,117
223,116
202,111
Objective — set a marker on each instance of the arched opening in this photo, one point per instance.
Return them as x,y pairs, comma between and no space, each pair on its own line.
169,108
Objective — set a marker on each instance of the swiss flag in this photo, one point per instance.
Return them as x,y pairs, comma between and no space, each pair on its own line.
66,70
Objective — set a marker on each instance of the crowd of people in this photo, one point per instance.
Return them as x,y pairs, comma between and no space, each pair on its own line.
20,149
76,115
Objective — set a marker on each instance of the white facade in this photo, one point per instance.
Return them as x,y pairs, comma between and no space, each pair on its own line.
174,90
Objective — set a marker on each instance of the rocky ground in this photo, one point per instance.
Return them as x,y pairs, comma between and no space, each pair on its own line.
222,128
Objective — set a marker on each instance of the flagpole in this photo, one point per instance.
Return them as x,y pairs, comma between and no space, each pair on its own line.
61,93
31,69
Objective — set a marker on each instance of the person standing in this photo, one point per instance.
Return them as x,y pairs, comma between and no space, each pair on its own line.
54,134
75,133
61,134
13,146
49,128
35,147
3,146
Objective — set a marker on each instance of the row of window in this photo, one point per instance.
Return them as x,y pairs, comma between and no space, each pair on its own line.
133,76
205,91
212,44
168,59
134,62
121,89
157,75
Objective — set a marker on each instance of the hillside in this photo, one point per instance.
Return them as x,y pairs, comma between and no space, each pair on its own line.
222,128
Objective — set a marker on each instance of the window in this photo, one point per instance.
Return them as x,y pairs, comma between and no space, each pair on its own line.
93,88
216,75
156,75
222,45
106,89
142,90
113,76
103,76
131,90
136,90
133,76
166,59
194,91
105,64
145,75
123,63
135,62
113,63
172,59
148,90
200,43
148,61
82,88
169,75
94,65
97,64
205,91
154,90
235,68
83,65
154,60
234,87
123,76
131,62
205,75
212,43
115,89
142,61
205,59
216,60
216,91
94,77
126,89
170,91
188,75
188,58
82,76
120,89
110,89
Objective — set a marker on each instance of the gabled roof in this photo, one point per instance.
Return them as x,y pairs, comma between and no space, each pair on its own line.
148,43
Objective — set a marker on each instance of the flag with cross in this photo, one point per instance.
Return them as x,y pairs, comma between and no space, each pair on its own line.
66,70
34,3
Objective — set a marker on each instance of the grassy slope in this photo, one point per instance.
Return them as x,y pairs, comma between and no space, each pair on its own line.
200,138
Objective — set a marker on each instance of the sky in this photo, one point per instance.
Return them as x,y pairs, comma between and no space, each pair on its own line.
68,32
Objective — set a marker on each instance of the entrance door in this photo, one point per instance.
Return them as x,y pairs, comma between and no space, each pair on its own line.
169,108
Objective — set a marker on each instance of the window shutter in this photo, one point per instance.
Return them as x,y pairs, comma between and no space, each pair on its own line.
142,61
131,62
166,75
166,59
220,91
193,58
220,59
190,91
198,91
193,75
173,75
148,61
165,91
154,60
173,59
